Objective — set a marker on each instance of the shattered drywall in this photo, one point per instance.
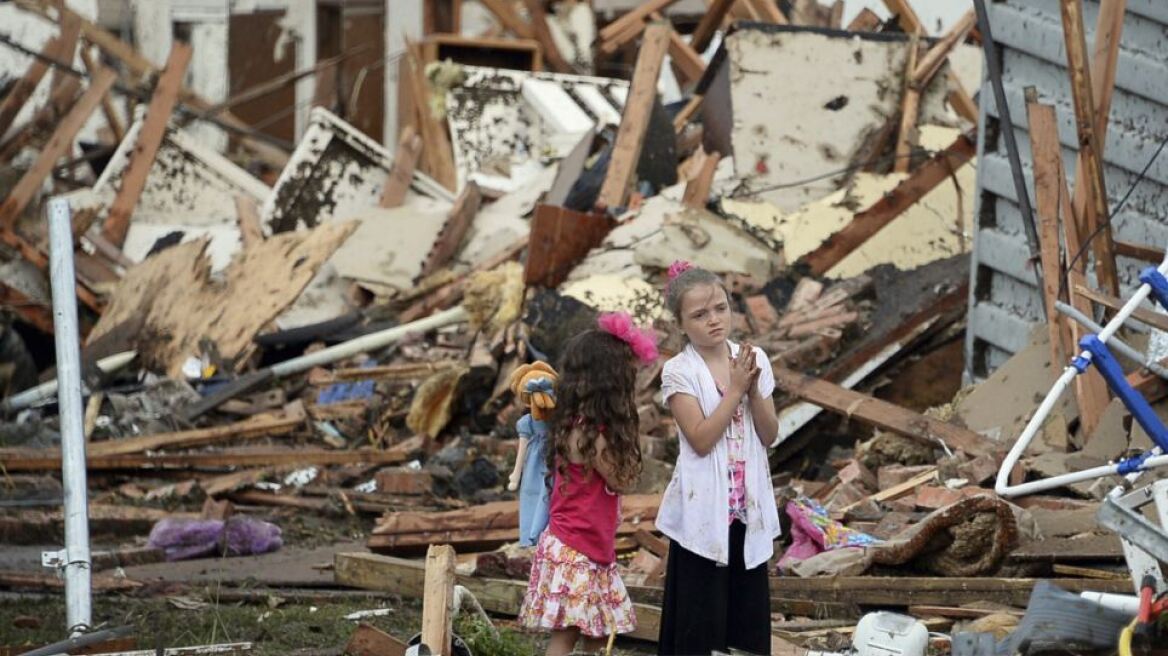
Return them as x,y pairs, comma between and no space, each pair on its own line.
608,293
935,228
804,102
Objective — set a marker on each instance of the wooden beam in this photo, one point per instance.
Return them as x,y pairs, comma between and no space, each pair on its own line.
149,140
865,21
543,34
451,292
45,118
50,459
881,414
107,104
438,599
768,11
901,591
1114,303
909,110
635,118
67,48
263,426
504,597
36,314
512,21
709,24
437,152
1139,252
960,100
58,145
896,491
909,21
697,190
20,92
686,60
939,168
251,231
1090,206
368,640
409,149
1090,390
927,68
397,373
458,223
1046,155
636,17
686,113
34,256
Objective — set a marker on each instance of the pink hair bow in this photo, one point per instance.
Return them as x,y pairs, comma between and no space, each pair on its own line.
642,341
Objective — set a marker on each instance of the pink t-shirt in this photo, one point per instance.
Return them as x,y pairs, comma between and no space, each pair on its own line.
584,514
736,461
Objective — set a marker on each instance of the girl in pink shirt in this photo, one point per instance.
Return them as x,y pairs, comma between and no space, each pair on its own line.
593,456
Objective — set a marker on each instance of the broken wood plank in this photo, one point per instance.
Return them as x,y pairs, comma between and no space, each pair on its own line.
19,459
635,17
117,128
46,118
149,140
512,21
560,238
909,21
67,47
687,61
408,579
767,11
271,425
24,87
884,415
863,225
697,190
543,34
1046,155
450,293
1060,569
368,640
933,591
657,546
410,371
58,145
458,223
635,118
251,230
409,149
103,583
1143,315
438,599
437,152
910,107
1139,252
686,113
928,66
865,21
709,24
961,613
896,491
1090,190
960,100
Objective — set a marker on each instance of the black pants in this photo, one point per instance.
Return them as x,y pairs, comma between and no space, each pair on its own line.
707,607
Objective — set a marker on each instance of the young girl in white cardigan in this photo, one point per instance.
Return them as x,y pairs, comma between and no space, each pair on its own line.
719,509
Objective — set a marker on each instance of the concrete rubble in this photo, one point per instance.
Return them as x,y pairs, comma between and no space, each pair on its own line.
536,178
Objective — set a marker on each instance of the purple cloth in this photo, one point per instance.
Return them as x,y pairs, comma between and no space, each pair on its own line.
194,538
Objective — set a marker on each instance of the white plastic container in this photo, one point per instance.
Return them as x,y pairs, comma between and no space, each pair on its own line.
890,634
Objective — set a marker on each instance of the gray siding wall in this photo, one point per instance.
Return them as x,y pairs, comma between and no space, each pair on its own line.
1004,302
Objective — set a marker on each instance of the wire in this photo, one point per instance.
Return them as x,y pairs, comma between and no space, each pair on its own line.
831,174
1111,214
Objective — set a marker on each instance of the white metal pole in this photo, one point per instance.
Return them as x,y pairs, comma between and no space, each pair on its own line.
76,562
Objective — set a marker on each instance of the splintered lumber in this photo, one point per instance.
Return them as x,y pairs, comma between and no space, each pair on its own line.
1046,155
409,149
437,152
20,92
451,292
21,459
933,591
408,579
767,11
909,109
438,599
904,13
708,25
483,527
687,61
512,21
274,424
180,306
1090,188
1143,315
686,113
896,491
1139,251
931,62
149,140
697,190
368,640
633,18
458,223
251,230
107,104
865,21
543,34
58,145
863,225
881,414
635,118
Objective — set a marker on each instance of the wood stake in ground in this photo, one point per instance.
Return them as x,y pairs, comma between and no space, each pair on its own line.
149,140
635,118
438,601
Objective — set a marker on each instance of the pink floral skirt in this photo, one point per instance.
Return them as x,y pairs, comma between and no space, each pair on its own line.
568,590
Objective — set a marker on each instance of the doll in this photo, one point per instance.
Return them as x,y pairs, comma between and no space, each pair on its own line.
534,386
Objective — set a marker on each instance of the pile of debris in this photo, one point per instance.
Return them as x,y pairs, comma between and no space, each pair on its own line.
338,344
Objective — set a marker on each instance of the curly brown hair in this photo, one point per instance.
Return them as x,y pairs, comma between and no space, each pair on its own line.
596,393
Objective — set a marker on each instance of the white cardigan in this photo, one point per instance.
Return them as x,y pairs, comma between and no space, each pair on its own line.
695,510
